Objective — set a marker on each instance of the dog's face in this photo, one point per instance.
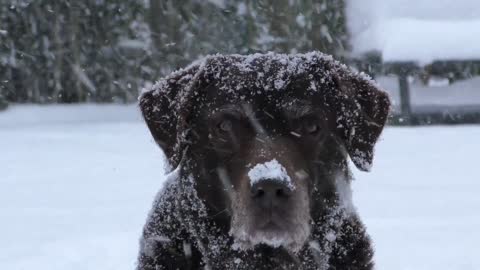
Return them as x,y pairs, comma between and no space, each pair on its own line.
266,162
264,156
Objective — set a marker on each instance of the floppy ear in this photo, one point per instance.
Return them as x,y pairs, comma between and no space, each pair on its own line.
160,110
361,110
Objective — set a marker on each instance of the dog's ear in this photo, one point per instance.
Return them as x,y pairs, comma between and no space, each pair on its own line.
160,108
361,110
158,111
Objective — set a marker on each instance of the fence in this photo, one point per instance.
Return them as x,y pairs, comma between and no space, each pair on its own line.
458,102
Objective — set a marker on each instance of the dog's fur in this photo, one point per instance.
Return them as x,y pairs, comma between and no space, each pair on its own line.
220,117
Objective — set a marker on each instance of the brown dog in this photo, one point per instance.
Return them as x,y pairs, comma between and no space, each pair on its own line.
260,146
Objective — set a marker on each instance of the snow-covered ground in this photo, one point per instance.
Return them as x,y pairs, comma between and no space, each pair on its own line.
421,202
77,182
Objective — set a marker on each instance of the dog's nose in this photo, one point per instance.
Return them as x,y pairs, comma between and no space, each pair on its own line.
270,192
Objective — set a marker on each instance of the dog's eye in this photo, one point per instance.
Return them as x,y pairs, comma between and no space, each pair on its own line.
311,127
225,126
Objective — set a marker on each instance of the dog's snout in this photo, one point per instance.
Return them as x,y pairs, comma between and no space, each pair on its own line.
270,192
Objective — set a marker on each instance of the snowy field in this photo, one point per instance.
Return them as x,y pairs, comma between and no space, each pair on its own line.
77,182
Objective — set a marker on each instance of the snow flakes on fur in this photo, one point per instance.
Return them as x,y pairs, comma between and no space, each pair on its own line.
357,101
179,217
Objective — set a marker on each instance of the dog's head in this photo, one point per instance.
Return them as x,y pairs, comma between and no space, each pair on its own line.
268,136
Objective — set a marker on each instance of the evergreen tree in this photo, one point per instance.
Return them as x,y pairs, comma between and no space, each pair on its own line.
104,50
184,30
71,51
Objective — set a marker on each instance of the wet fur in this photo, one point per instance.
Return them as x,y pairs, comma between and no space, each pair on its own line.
190,225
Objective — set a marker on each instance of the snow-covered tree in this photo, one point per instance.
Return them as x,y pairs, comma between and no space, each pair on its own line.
184,30
104,50
71,51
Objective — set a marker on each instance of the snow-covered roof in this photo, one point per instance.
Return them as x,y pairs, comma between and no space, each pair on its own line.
422,41
420,30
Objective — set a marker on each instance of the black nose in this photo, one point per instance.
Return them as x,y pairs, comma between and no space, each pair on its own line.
270,192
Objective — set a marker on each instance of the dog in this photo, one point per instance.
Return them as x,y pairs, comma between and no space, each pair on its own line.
257,147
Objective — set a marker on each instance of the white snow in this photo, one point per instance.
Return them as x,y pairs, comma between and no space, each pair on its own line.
273,240
422,41
271,170
76,185
420,202
32,116
425,31
246,241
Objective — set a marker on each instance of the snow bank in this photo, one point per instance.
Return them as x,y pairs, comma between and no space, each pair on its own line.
271,170
361,12
422,31
422,41
28,115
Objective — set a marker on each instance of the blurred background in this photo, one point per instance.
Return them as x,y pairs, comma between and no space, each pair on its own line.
426,54
79,170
